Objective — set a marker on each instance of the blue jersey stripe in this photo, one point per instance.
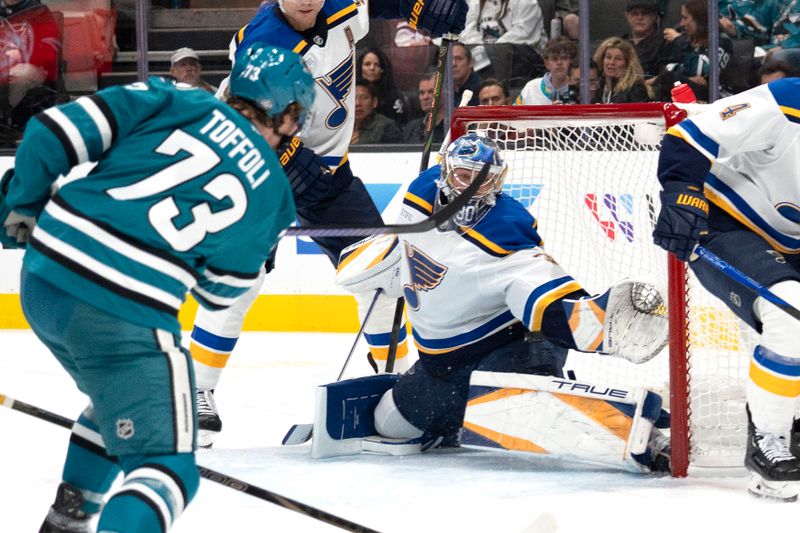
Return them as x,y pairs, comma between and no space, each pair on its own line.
785,366
465,338
707,143
214,342
540,291
744,208
382,339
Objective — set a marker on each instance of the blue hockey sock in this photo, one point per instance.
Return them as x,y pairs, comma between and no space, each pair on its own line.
156,490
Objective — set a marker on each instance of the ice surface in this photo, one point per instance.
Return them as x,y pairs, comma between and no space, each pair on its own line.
269,385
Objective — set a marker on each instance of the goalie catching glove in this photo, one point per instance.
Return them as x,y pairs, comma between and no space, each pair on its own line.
629,321
683,219
437,16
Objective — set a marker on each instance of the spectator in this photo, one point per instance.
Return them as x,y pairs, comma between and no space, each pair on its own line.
29,60
647,40
574,96
785,42
464,77
688,53
185,67
621,77
567,13
553,86
775,70
504,21
374,67
749,19
414,131
492,92
372,127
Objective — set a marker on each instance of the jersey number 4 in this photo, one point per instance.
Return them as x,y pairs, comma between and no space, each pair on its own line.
163,213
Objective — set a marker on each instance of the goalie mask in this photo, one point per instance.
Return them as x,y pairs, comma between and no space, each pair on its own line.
463,161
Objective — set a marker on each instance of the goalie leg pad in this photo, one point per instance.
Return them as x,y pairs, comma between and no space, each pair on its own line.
602,424
344,414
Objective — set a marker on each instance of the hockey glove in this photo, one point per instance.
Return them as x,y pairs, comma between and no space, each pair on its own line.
436,16
683,219
16,227
308,174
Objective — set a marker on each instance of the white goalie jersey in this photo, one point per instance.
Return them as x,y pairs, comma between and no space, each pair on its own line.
462,287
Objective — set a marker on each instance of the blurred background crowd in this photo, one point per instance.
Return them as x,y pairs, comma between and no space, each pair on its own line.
512,52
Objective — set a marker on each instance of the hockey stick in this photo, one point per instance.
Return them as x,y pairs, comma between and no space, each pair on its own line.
745,280
444,55
422,226
300,433
211,475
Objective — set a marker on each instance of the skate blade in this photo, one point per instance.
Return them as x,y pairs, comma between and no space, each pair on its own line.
205,438
782,491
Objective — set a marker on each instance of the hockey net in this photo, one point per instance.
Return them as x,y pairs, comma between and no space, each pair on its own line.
588,175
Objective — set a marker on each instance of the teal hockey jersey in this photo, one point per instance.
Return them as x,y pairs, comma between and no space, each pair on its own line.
186,196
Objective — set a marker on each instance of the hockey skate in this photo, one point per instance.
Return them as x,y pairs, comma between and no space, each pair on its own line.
794,442
208,420
65,515
775,472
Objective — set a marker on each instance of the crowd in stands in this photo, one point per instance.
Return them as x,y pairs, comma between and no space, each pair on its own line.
523,52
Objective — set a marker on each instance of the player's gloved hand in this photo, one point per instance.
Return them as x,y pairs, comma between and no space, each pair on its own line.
12,235
436,16
310,177
683,219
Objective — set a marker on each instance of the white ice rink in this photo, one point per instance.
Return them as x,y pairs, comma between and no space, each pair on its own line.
269,385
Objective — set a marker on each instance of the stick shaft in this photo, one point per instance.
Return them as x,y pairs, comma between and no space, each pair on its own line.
209,474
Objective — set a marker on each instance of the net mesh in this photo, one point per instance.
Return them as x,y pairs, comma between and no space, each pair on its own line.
590,183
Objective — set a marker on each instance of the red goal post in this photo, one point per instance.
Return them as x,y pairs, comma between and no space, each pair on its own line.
588,173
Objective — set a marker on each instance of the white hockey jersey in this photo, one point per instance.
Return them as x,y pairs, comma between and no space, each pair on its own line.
746,151
329,54
462,287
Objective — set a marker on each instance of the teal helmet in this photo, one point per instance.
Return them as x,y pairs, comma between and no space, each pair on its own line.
272,78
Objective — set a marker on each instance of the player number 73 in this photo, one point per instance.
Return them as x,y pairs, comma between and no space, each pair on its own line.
162,214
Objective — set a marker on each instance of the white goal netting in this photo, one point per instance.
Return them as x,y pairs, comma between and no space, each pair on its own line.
590,180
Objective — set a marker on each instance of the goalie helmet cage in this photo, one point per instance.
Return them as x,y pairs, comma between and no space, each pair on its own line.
588,175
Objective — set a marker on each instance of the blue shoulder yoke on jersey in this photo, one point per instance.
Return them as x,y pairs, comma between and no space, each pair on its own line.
786,92
506,227
270,27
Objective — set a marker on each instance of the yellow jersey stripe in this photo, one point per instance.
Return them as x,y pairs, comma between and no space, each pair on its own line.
486,242
781,386
341,13
207,357
299,46
413,198
790,111
382,354
544,302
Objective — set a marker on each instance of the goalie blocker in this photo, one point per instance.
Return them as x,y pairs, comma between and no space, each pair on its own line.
562,418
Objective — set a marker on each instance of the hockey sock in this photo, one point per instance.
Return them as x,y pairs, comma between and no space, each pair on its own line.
210,353
88,466
773,389
156,490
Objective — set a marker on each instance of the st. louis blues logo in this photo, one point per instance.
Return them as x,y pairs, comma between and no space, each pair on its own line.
426,274
338,84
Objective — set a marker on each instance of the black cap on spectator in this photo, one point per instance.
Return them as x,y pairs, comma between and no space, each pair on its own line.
646,4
